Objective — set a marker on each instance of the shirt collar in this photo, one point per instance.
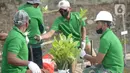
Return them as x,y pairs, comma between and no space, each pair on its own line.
16,29
105,32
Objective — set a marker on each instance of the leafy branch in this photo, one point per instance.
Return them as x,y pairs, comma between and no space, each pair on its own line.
82,14
64,51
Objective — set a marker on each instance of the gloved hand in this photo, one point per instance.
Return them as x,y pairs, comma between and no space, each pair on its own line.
38,37
82,53
34,67
83,44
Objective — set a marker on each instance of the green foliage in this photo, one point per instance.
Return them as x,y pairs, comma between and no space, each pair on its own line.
64,51
82,14
124,41
44,9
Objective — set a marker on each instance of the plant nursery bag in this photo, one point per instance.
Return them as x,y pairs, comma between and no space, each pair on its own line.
48,63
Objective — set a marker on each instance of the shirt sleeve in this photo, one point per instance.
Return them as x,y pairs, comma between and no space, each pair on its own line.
41,26
83,23
55,25
104,46
14,46
87,40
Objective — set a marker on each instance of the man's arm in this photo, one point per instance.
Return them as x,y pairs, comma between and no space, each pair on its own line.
45,36
48,35
95,60
83,31
83,35
12,59
88,44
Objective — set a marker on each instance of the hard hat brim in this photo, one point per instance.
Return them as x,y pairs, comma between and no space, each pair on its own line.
102,20
31,2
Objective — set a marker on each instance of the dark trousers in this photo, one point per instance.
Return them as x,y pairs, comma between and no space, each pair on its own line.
35,55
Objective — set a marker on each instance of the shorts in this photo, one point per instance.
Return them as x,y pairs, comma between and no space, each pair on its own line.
96,69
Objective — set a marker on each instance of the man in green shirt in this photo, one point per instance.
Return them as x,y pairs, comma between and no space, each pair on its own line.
15,51
110,54
35,28
69,23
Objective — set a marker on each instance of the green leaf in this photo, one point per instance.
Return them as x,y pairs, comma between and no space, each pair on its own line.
83,19
64,51
44,9
83,13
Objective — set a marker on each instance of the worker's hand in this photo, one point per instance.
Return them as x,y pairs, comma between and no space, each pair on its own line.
38,37
42,71
34,67
3,36
82,53
45,71
83,44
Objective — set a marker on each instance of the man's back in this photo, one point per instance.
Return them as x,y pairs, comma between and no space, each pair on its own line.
112,47
15,43
35,28
35,23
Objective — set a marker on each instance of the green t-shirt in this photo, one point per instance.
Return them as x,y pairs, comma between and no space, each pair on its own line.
72,26
111,46
36,21
16,44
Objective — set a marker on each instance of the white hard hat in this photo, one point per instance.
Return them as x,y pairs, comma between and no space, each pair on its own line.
104,16
64,4
20,18
34,1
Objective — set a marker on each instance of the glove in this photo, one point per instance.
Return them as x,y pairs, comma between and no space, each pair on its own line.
38,37
82,53
34,67
83,44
